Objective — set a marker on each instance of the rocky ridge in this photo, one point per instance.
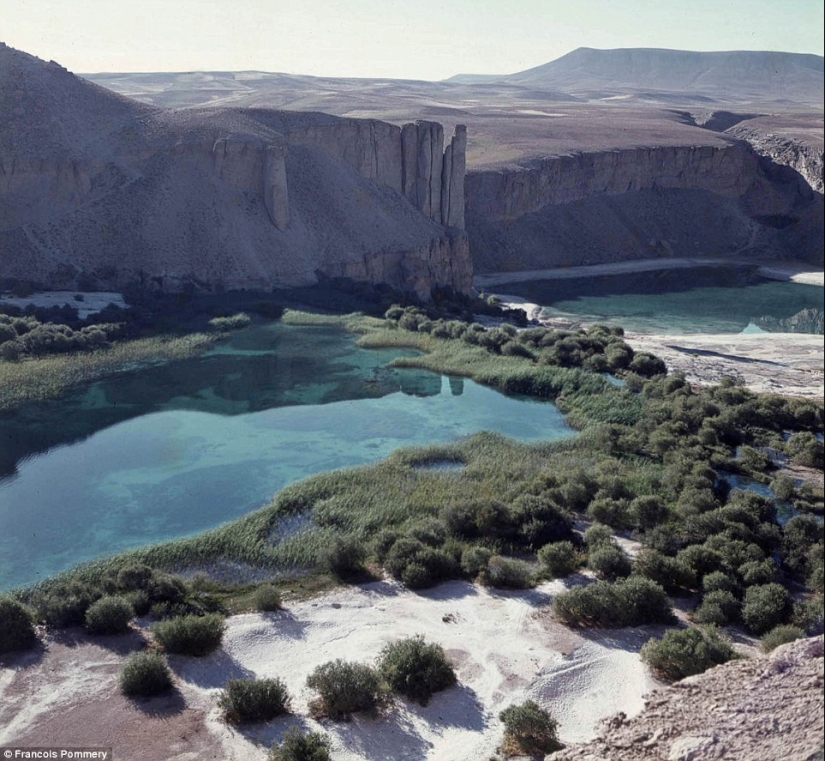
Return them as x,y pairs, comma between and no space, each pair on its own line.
95,186
756,709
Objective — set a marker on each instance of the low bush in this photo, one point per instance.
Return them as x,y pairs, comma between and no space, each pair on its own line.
416,669
247,701
343,556
721,582
507,573
558,559
344,688
529,730
190,635
764,607
474,560
16,627
631,602
295,746
685,652
65,605
267,598
781,635
418,565
145,674
719,608
597,534
673,576
109,615
609,562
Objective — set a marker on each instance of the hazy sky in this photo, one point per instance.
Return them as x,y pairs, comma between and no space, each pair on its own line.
419,39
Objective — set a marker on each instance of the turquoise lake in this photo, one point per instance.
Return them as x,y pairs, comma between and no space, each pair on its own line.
695,300
174,449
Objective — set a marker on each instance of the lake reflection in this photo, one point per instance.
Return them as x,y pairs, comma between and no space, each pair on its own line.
175,449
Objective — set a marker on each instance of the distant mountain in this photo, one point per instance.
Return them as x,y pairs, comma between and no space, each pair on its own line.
732,75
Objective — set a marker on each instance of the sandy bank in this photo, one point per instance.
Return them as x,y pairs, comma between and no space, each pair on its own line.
504,645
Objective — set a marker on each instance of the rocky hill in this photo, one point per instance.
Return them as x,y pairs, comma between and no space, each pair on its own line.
98,188
731,76
761,709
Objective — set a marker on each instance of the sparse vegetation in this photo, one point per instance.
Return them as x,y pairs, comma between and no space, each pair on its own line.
781,635
267,598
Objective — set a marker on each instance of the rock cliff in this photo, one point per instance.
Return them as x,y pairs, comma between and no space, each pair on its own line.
644,202
93,185
761,709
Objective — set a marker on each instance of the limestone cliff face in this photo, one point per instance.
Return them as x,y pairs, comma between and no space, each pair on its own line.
803,156
644,202
218,197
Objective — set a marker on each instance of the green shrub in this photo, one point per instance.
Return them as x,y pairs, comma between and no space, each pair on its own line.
632,602
685,652
648,511
190,635
610,512
507,573
134,576
720,582
668,572
474,560
719,608
65,605
609,562
295,746
432,532
16,628
253,700
343,556
416,669
559,559
145,674
764,607
597,534
418,565
344,688
529,730
781,635
109,615
757,572
267,597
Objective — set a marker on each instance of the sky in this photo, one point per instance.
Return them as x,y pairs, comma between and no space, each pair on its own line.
409,39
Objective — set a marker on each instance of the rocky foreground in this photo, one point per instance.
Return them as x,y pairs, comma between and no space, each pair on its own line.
761,709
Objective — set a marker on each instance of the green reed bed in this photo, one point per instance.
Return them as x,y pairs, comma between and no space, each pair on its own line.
38,379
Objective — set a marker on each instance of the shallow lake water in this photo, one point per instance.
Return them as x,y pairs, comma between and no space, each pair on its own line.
695,300
178,448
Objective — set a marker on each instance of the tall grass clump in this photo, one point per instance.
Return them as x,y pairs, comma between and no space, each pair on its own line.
416,669
145,674
190,635
296,746
246,701
16,627
267,598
